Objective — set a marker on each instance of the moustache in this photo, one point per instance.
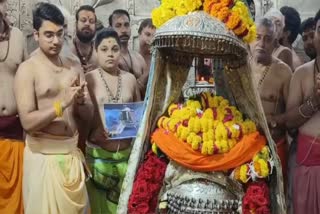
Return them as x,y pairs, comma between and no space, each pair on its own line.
86,28
124,37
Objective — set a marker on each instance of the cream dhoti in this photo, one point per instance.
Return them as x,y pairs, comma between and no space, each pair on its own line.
54,178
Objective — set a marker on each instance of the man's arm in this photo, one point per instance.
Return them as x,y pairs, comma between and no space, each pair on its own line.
143,79
286,57
31,118
286,75
137,94
298,110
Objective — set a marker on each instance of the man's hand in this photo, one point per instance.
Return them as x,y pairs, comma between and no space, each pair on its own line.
82,95
70,93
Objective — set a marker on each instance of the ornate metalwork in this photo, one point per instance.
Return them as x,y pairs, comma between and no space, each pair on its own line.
201,196
202,34
197,89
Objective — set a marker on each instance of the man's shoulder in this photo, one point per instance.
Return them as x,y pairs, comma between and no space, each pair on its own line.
307,67
127,75
137,55
281,66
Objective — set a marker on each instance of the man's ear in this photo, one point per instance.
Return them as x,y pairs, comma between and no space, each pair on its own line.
36,35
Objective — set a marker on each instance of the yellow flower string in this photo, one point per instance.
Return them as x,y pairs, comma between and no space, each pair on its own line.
214,130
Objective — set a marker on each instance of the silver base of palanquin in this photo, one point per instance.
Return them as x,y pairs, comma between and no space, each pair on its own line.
201,197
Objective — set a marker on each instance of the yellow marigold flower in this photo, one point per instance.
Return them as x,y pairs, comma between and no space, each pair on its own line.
204,148
252,34
243,173
155,148
264,168
196,142
208,114
161,15
210,147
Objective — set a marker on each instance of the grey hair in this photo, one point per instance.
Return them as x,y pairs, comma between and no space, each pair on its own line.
266,22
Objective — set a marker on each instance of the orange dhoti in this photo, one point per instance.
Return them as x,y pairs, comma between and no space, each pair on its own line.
11,163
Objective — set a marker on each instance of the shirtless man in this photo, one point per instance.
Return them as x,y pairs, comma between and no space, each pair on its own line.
273,78
108,84
12,53
281,52
51,93
303,114
146,33
84,40
130,60
307,33
290,32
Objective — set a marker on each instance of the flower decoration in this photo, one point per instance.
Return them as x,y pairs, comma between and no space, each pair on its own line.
210,125
171,8
256,199
146,187
260,167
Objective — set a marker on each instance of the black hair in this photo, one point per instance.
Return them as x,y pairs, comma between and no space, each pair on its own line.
292,22
145,23
107,33
86,8
307,24
46,12
317,17
118,12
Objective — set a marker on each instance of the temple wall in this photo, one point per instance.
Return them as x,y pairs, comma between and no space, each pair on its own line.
20,11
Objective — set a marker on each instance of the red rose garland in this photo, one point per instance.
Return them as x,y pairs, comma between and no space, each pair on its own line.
149,180
256,199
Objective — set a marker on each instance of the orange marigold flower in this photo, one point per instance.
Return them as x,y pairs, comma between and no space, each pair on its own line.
227,3
223,13
240,29
233,21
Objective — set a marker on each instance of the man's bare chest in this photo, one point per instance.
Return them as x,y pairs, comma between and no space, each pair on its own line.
132,65
51,83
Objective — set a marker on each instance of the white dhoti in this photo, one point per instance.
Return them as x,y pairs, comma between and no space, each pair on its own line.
54,178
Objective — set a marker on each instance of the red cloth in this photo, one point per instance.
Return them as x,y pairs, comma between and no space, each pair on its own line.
308,151
10,127
306,187
282,150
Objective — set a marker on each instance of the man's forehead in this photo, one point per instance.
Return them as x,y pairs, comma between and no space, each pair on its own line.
86,13
50,26
308,31
120,18
261,29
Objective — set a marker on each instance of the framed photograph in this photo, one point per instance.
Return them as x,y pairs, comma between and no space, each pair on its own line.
123,120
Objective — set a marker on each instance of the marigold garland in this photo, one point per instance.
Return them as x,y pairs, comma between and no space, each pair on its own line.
260,166
234,13
210,125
